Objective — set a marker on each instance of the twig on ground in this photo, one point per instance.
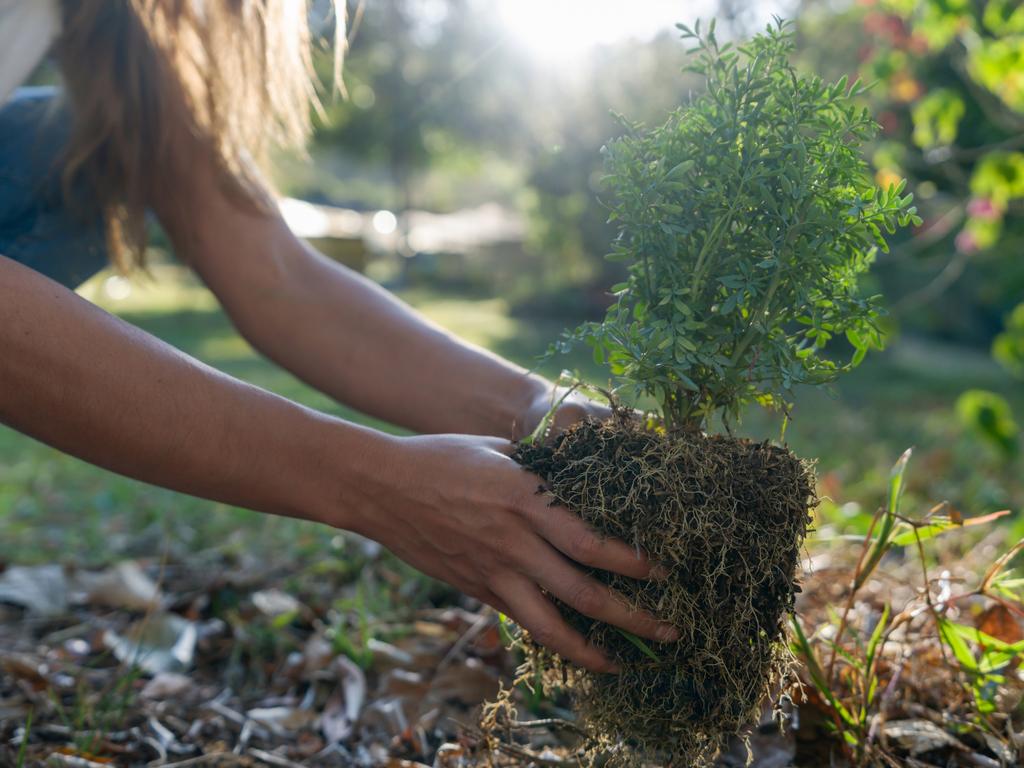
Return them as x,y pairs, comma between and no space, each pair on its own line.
198,760
270,757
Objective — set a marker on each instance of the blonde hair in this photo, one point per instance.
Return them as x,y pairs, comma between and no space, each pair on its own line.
237,74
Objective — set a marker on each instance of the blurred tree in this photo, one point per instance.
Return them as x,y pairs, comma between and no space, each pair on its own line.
429,83
438,85
950,98
577,115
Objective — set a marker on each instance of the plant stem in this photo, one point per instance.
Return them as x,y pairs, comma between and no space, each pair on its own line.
700,267
748,337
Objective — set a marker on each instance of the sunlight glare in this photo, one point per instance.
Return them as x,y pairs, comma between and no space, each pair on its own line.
560,31
117,288
385,222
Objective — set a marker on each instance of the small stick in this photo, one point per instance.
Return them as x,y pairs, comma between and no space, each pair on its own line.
195,760
547,722
270,757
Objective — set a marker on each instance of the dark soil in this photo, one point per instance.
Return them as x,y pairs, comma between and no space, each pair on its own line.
726,517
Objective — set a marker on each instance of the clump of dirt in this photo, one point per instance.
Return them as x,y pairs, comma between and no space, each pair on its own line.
727,517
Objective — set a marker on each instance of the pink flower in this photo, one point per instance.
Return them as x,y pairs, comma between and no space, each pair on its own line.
967,242
983,208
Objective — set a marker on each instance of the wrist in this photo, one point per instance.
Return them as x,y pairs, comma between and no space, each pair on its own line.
337,472
535,392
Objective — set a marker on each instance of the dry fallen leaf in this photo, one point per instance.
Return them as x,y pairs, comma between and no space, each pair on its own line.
25,667
918,736
1001,624
387,655
468,683
282,720
125,585
387,716
346,703
275,602
166,685
163,642
316,656
42,590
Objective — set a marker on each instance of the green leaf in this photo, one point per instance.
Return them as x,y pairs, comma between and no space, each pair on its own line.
644,647
876,636
940,525
924,532
817,674
506,636
881,542
679,171
989,415
976,636
955,642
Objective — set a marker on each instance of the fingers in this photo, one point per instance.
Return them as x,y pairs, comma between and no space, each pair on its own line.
575,410
491,599
531,610
498,444
594,599
579,542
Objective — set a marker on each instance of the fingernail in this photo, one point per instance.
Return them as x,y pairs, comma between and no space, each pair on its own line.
667,634
612,668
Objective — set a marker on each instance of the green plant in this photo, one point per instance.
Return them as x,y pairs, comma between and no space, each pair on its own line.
990,416
746,221
23,749
1008,346
849,666
94,714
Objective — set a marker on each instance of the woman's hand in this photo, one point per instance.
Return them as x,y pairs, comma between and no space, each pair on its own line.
576,407
458,508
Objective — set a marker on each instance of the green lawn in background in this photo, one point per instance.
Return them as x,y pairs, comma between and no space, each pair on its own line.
54,508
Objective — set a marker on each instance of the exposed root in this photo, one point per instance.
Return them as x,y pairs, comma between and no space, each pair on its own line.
727,518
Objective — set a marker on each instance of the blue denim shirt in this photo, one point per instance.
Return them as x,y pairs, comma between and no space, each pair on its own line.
36,227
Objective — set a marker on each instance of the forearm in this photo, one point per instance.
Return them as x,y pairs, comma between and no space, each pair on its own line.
88,384
347,337
361,345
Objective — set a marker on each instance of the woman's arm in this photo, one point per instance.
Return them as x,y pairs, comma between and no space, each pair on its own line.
346,336
93,386
457,507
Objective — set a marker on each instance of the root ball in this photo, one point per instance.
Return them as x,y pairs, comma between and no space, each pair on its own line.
726,517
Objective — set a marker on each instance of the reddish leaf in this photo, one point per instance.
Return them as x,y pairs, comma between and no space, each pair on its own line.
1001,624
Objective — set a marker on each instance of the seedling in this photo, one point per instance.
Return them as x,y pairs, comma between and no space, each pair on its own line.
745,221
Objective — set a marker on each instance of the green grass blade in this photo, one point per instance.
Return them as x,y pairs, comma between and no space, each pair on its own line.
896,483
506,636
23,749
882,543
818,674
924,532
976,636
956,643
644,647
876,636
940,525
